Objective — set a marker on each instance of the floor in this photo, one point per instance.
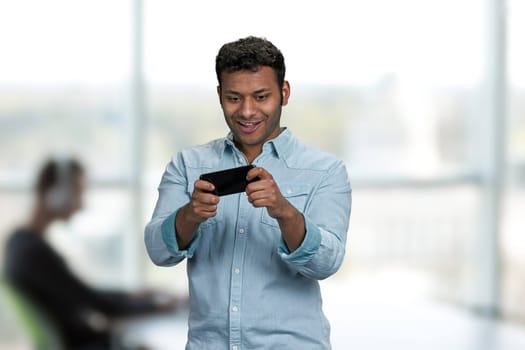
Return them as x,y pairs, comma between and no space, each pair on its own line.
365,322
364,315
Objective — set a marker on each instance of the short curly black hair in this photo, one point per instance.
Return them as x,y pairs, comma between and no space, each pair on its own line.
250,53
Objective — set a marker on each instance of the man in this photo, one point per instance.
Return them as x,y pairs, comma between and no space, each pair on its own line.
81,314
254,258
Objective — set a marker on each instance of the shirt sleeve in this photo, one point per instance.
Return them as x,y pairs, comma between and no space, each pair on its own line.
159,234
169,237
307,249
327,219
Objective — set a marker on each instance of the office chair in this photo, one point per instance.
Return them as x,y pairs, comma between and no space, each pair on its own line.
36,324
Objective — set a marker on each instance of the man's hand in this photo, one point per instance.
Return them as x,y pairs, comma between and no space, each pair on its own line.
203,203
266,193
202,206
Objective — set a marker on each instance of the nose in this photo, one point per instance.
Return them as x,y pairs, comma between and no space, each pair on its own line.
248,108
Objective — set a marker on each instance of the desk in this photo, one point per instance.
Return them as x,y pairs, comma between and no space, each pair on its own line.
159,332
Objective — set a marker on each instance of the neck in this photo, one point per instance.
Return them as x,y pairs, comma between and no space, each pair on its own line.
250,152
40,219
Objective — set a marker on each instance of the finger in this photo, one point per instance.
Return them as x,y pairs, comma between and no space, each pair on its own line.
258,200
262,185
203,210
204,215
204,186
259,172
207,212
263,193
205,198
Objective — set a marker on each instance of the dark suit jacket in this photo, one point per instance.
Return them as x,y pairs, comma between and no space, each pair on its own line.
34,268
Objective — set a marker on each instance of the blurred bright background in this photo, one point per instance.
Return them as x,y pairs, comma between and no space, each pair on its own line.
423,99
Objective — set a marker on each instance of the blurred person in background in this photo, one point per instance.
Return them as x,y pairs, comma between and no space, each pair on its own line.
254,258
82,315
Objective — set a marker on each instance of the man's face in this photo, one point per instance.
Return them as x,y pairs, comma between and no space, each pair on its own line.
251,102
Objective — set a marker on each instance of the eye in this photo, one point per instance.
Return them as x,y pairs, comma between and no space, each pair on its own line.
232,98
261,98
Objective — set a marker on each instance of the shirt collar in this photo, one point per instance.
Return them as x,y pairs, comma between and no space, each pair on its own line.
280,145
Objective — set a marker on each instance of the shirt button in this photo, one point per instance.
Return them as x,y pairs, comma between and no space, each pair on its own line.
234,347
237,270
289,191
235,309
241,231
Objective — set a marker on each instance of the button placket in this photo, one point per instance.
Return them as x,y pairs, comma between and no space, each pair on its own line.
236,275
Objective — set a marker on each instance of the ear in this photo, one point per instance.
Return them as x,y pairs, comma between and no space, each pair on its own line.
219,93
285,93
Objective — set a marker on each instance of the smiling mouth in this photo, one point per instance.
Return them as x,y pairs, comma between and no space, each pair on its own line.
248,127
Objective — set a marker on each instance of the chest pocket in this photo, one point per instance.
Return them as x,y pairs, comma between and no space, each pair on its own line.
297,195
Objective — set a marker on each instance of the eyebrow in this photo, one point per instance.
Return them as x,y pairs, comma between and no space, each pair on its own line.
259,91
263,90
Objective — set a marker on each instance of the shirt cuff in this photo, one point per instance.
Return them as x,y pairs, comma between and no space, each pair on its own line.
169,238
307,249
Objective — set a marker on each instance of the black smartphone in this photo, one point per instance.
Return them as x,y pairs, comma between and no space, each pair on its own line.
229,181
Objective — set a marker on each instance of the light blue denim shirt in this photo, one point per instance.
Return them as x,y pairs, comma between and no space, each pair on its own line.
247,291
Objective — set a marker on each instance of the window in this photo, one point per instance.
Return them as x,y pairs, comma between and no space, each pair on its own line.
514,201
399,95
65,90
394,93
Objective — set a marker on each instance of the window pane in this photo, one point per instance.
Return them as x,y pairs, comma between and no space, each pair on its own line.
514,205
64,91
63,88
394,93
